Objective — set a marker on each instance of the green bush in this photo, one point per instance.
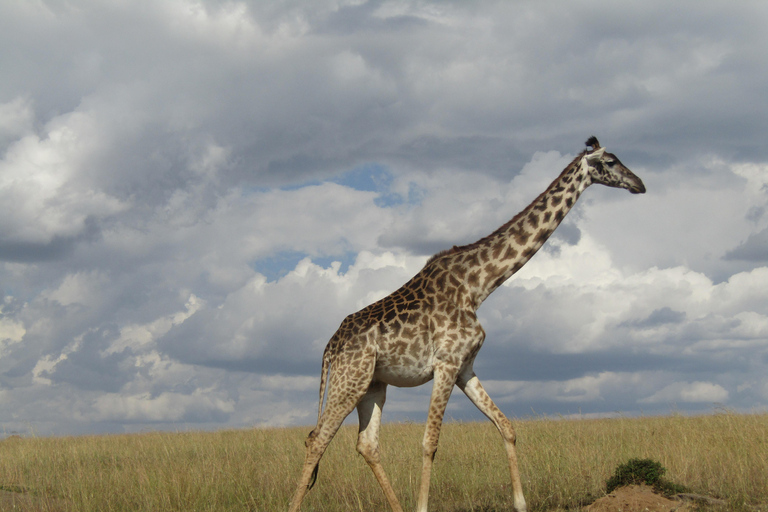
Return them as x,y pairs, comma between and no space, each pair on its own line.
643,471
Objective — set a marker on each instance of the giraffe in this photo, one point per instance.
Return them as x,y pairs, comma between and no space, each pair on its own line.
428,330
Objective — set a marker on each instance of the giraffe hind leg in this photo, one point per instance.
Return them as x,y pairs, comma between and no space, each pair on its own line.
317,442
309,470
314,477
348,384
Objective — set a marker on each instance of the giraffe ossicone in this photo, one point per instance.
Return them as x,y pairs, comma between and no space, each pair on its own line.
428,330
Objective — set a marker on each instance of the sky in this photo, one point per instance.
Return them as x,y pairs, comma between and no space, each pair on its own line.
194,194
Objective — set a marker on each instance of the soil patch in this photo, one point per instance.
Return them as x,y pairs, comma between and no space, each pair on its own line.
638,498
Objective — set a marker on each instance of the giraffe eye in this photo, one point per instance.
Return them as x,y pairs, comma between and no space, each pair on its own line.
611,163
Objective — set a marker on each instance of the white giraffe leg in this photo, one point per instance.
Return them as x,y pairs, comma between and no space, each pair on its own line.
444,380
369,412
471,386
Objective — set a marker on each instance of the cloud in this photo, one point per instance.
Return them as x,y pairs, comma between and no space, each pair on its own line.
11,331
16,118
661,316
754,248
200,407
689,392
193,195
255,328
42,200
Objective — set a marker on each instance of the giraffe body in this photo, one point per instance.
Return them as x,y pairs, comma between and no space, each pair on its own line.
428,330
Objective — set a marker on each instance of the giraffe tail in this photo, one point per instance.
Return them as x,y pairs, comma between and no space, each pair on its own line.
323,380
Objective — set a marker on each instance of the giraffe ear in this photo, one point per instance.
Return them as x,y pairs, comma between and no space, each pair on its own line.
595,155
593,143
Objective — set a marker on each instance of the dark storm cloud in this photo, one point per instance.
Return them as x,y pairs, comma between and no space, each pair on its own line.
754,249
57,248
661,316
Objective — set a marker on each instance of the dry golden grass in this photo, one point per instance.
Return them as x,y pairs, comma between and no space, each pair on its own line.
564,463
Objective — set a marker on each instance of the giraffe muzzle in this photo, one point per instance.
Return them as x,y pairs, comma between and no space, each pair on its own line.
634,184
638,188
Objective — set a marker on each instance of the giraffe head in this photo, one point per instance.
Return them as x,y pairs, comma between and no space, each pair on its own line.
603,167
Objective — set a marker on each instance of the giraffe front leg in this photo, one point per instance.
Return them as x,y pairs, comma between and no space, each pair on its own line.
471,386
369,412
444,380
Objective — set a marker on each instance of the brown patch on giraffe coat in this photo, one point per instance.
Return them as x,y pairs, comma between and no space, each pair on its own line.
542,235
521,236
440,282
492,270
398,347
510,254
497,248
459,271
471,259
473,279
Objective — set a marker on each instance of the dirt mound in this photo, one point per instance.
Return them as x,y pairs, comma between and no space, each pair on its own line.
638,498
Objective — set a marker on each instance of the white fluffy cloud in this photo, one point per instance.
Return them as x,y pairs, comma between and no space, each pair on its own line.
194,194
44,191
689,392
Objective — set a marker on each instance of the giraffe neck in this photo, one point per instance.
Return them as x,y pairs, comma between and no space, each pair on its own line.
487,263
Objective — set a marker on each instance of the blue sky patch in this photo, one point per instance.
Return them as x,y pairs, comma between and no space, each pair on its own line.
280,264
372,177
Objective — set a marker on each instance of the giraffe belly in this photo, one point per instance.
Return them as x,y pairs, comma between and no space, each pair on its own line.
403,376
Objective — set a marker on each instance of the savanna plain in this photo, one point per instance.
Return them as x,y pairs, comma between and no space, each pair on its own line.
564,463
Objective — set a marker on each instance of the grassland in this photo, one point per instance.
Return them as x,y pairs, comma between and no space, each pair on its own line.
564,463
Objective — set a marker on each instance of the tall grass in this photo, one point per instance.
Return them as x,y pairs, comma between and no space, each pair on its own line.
564,464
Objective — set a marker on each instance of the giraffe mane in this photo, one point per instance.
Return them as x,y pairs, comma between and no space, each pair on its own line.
592,141
442,253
